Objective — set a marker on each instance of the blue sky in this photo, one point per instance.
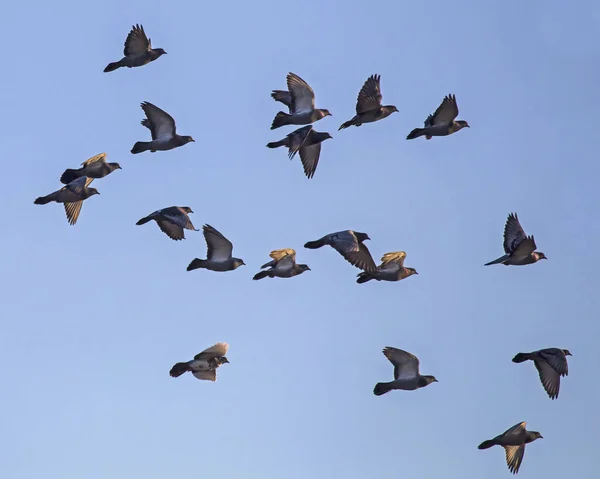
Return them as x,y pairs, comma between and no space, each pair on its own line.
95,315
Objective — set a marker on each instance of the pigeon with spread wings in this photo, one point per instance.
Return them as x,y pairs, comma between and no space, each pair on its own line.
138,51
218,255
442,122
391,269
519,248
163,130
72,196
551,364
95,167
368,104
171,221
350,244
205,364
406,372
283,265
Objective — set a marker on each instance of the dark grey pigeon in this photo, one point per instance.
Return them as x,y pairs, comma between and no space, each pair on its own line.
95,167
300,100
163,130
307,141
218,256
72,195
138,51
513,441
350,245
391,269
205,364
519,248
283,265
442,122
368,104
171,221
406,373
551,364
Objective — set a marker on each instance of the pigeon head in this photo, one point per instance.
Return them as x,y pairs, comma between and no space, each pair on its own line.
237,262
325,112
541,255
187,209
361,236
391,108
535,435
463,124
411,271
425,380
223,360
115,166
93,191
566,352
304,267
159,52
187,139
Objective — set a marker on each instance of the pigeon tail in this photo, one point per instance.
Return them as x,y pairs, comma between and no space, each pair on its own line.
44,200
178,370
141,146
111,67
261,275
521,357
363,277
502,259
276,144
416,133
314,244
382,388
487,444
196,263
144,220
281,119
70,175
346,124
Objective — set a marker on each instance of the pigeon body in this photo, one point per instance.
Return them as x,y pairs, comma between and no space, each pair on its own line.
283,265
95,167
72,195
307,141
138,51
205,364
171,221
350,244
163,129
551,364
368,104
218,256
300,100
442,122
406,372
513,441
391,269
519,248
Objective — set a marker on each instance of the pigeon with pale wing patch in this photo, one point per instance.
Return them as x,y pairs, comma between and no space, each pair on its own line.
95,167
283,265
391,269
205,364
72,196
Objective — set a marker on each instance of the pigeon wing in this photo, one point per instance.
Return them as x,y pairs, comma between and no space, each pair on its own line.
136,42
100,157
279,254
369,97
517,429
557,359
161,124
219,247
72,210
302,95
445,113
514,234
215,351
309,156
406,365
208,374
172,230
395,257
361,259
297,139
549,377
514,457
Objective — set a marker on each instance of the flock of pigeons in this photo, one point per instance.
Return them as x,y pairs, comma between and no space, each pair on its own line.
519,249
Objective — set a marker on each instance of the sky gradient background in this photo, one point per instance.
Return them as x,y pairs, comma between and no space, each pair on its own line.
95,315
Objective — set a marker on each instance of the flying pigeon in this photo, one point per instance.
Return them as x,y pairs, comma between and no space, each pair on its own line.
205,364
442,122
551,364
72,195
163,130
368,104
171,221
218,254
283,265
308,142
513,441
391,269
300,100
406,373
350,245
519,248
95,167
138,51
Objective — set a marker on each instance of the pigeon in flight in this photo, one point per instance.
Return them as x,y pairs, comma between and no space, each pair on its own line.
551,364
171,221
72,195
218,256
519,248
391,269
300,100
513,441
138,51
368,104
95,167
350,245
205,364
406,373
163,130
307,141
442,122
283,265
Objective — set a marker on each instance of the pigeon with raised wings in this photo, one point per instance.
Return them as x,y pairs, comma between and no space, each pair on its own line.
442,122
519,248
391,269
205,364
72,195
171,221
95,167
218,255
163,130
350,244
368,104
283,265
551,364
406,372
138,51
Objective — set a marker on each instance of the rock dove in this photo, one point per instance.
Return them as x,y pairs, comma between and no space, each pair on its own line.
95,167
171,221
368,104
519,248
138,51
308,142
205,364
300,100
350,245
513,441
441,123
406,373
163,130
551,364
218,256
391,269
283,265
72,195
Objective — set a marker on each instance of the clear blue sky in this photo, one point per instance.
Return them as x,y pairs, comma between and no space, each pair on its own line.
95,315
